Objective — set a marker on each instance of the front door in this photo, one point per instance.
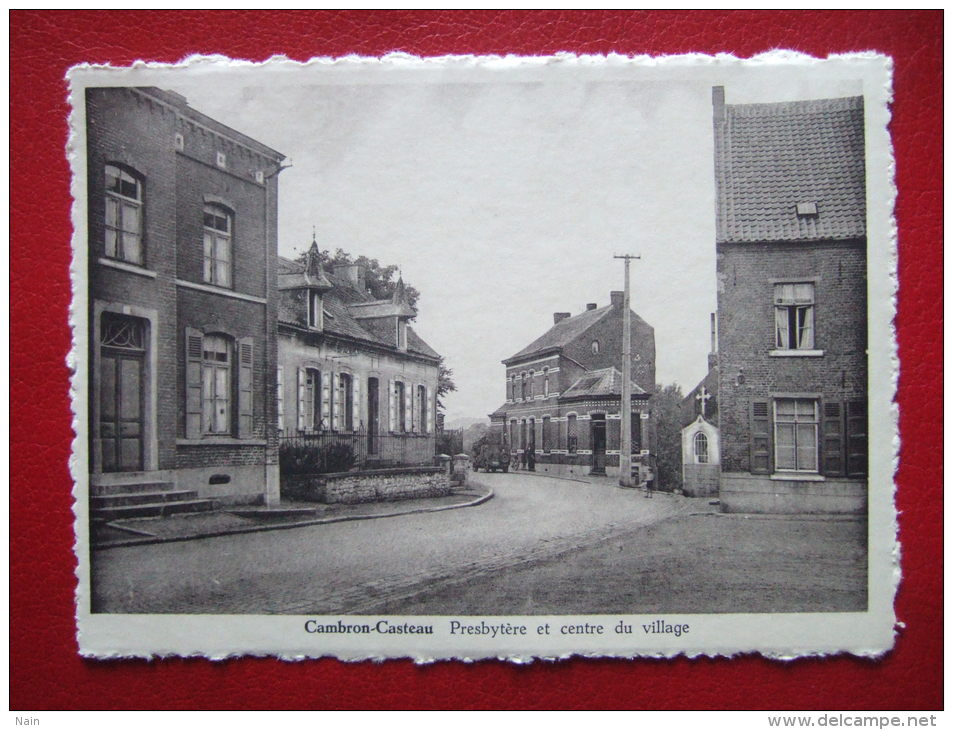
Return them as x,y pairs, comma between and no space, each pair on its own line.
598,424
531,446
121,393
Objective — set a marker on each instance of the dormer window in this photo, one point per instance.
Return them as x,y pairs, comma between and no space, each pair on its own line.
594,347
401,334
315,310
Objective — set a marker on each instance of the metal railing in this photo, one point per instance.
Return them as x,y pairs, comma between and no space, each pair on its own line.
323,452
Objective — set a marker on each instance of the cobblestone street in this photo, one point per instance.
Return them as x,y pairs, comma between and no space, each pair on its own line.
358,567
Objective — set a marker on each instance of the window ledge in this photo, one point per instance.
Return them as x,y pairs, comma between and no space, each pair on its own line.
124,266
796,477
221,441
212,289
796,353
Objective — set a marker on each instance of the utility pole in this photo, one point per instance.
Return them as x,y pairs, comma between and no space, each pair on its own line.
625,449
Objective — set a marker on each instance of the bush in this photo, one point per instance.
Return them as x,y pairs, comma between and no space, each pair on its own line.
313,459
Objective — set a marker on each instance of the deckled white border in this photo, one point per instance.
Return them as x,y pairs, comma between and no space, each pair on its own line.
785,636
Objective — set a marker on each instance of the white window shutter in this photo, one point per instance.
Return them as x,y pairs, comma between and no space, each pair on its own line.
302,384
325,401
392,402
408,407
336,402
280,397
431,415
246,382
356,409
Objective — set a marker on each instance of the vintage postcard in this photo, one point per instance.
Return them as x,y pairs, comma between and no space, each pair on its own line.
475,357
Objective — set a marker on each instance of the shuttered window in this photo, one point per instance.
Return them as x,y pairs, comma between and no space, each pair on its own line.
401,406
547,437
857,438
760,446
833,438
571,437
795,434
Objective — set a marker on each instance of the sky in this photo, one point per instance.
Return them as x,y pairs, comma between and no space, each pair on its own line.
503,195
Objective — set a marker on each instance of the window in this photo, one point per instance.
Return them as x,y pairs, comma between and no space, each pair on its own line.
635,430
422,410
123,234
346,401
513,434
217,241
795,434
595,347
510,390
701,448
545,382
216,384
314,309
532,374
546,434
571,434
401,407
794,316
523,387
311,402
281,397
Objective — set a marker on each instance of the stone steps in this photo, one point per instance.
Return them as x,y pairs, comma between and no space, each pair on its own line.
130,500
153,509
102,490
127,499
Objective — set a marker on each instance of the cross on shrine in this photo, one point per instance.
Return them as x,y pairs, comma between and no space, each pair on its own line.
702,398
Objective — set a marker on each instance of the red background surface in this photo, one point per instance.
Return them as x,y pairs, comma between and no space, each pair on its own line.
46,672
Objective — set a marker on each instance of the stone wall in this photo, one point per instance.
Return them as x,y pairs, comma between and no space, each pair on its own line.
373,485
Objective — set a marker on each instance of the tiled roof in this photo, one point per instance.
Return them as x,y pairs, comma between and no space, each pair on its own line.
771,157
338,319
607,381
562,333
416,344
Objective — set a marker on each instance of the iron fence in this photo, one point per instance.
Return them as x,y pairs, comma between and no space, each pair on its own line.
324,452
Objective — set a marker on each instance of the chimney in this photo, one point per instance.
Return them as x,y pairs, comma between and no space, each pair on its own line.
617,298
560,316
718,102
590,306
713,353
353,274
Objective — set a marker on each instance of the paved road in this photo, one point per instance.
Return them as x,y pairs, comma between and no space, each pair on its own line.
355,567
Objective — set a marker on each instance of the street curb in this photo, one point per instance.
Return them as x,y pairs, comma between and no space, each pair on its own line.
782,516
308,523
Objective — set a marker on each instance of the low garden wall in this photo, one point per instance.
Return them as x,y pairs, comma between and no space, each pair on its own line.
369,485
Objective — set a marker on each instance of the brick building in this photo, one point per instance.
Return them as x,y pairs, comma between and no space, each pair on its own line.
351,367
182,347
562,413
792,305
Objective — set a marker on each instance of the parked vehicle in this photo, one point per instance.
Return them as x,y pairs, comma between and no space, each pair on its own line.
490,454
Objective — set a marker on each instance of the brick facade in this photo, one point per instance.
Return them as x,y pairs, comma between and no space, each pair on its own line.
570,377
792,305
182,161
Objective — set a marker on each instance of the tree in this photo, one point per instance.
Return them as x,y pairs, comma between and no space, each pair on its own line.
668,434
381,281
445,384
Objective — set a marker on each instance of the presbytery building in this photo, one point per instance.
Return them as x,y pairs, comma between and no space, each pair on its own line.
562,413
351,368
181,260
792,305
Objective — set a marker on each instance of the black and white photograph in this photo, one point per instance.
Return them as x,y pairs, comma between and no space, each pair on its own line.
480,356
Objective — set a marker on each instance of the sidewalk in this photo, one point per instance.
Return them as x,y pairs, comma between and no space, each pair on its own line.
241,519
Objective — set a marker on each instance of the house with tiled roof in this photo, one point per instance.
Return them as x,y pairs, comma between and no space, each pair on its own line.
351,368
791,242
562,413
